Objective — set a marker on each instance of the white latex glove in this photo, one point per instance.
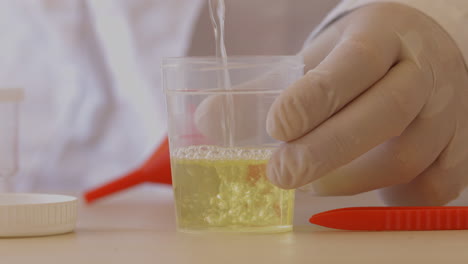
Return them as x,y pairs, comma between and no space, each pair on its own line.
384,104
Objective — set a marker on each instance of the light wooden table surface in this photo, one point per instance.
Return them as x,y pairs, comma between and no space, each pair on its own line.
138,227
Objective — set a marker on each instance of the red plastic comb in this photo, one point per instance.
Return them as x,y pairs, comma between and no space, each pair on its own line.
394,218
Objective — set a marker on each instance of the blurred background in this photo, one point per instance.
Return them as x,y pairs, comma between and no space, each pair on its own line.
94,108
261,27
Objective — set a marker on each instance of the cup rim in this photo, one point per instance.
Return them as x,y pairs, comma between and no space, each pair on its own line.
173,62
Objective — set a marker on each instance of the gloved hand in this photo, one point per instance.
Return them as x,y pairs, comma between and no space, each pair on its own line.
383,104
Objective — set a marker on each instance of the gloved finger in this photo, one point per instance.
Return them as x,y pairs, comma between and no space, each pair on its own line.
353,66
436,186
212,115
397,161
381,113
246,111
316,50
241,115
441,183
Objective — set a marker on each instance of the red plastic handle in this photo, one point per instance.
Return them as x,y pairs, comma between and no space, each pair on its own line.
156,169
394,218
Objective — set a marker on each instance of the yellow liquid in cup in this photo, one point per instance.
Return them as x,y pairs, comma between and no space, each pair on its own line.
226,189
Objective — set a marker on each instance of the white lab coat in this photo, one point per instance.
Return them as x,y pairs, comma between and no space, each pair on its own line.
91,71
94,107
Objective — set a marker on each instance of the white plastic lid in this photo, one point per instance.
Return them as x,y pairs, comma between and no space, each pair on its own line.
11,94
26,214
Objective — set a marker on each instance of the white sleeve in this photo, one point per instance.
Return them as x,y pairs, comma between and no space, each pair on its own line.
452,15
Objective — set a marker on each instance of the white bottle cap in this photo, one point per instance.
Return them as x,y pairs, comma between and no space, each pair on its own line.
24,214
